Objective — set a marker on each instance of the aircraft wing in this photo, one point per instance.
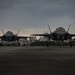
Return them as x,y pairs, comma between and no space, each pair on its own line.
22,37
72,35
49,35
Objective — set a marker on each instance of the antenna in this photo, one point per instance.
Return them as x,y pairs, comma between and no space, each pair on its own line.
49,28
18,32
69,28
3,31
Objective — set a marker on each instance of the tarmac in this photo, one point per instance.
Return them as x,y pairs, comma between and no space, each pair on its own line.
37,60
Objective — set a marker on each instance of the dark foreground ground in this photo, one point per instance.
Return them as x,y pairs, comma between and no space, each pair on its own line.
37,61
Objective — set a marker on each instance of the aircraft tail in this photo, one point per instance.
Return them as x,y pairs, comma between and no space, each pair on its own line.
3,31
68,28
49,28
18,32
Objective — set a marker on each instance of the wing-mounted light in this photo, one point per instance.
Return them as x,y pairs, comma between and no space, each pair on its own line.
69,28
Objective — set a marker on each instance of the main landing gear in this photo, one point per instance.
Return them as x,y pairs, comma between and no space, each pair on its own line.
18,44
47,44
70,41
60,45
70,44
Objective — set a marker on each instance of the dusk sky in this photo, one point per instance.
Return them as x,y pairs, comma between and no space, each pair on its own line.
32,16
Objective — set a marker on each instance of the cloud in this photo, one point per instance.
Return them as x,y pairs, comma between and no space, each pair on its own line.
36,14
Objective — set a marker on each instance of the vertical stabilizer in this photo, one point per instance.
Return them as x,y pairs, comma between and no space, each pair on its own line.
3,31
69,28
49,29
18,32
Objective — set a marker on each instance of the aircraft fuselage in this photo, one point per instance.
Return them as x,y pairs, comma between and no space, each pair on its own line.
9,38
59,36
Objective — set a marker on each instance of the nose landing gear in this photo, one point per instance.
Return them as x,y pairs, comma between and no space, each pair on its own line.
60,44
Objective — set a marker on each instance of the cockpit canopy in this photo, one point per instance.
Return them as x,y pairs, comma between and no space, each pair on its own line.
60,30
9,33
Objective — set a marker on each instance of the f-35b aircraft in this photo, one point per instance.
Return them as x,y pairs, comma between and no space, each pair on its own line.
60,34
9,37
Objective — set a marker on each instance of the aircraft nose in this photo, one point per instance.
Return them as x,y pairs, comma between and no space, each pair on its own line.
60,36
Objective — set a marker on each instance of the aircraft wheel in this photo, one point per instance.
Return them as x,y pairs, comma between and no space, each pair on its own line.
71,44
47,44
0,44
60,44
18,44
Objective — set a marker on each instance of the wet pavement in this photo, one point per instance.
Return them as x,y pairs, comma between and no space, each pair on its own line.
37,60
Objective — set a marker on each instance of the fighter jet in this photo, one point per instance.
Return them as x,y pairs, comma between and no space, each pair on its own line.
9,36
60,34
